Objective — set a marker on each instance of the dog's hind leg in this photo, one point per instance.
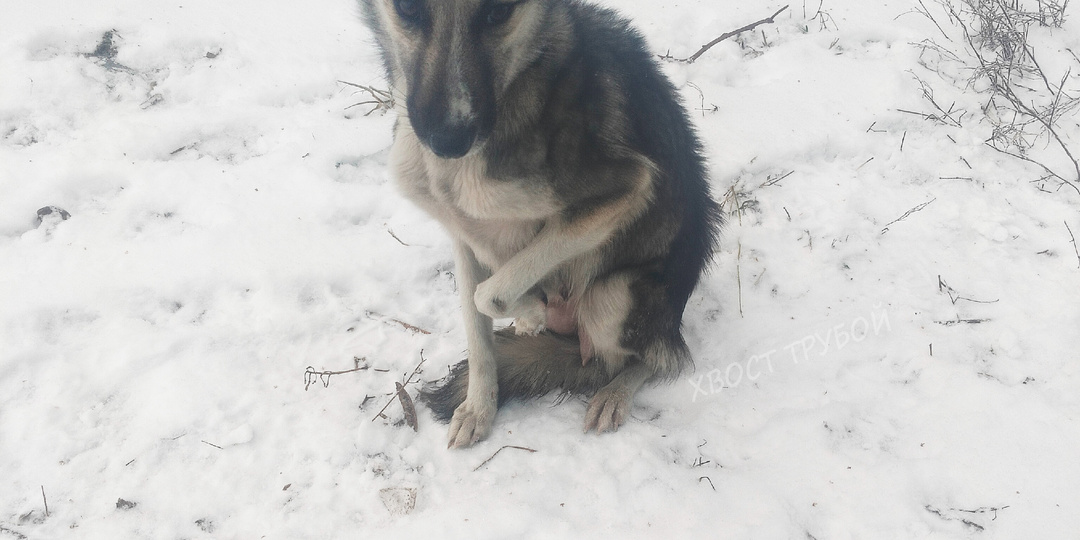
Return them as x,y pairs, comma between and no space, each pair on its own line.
610,406
602,314
472,419
632,328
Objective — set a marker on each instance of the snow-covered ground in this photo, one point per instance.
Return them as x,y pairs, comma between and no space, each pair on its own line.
232,223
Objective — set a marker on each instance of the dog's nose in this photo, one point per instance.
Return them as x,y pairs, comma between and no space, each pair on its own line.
452,141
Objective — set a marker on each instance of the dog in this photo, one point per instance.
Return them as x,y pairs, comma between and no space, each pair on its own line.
544,137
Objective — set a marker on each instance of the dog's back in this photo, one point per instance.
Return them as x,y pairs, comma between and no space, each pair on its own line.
659,129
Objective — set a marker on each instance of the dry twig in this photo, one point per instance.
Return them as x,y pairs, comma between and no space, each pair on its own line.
1073,237
400,388
733,196
391,231
704,48
382,100
954,295
410,327
310,375
485,462
958,320
18,535
997,38
906,214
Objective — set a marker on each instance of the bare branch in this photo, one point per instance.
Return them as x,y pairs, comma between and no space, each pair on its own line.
485,462
311,375
406,402
1073,237
704,48
906,214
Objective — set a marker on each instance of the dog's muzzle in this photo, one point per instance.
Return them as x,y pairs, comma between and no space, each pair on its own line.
451,141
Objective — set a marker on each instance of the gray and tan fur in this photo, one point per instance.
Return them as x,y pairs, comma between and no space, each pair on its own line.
543,136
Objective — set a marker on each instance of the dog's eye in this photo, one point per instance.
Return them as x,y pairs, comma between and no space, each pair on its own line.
498,14
410,10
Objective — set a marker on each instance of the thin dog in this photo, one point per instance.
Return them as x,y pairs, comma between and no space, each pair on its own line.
544,137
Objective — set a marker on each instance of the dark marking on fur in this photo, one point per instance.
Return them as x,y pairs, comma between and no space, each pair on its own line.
528,367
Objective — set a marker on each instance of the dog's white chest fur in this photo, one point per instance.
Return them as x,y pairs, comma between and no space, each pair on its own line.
495,217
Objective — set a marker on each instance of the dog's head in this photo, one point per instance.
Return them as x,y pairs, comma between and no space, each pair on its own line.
454,60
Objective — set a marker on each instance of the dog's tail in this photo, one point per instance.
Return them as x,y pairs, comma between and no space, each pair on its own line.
528,367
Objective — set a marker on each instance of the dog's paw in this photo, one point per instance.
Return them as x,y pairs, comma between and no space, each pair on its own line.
526,327
471,422
608,409
531,317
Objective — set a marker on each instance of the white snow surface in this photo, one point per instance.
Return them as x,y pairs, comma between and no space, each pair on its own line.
232,222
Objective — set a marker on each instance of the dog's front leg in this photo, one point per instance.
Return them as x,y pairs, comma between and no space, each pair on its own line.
560,240
473,418
504,293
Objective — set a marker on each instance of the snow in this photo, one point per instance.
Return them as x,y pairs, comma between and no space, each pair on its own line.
232,222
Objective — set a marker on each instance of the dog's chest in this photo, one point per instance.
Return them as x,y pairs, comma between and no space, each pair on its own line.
465,185
496,217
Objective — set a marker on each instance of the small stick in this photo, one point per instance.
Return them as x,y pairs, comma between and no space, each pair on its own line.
383,318
400,387
382,98
1077,58
926,12
772,181
733,195
761,275
738,277
500,450
709,480
1077,250
391,231
924,115
942,515
46,501
370,89
18,535
711,44
214,445
310,375
959,321
1048,170
412,328
906,214
954,295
